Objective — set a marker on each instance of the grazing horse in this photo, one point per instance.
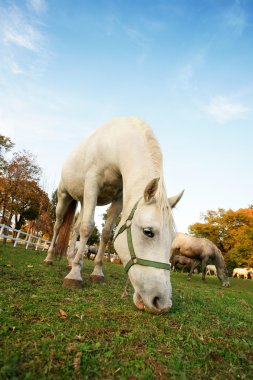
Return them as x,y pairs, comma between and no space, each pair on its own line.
184,261
237,272
202,250
90,252
120,163
211,269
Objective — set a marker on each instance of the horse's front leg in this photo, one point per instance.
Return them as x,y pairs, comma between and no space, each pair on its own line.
194,266
74,278
113,213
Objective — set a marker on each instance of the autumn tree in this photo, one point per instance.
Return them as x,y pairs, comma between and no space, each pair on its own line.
110,246
53,203
5,146
38,214
94,237
21,196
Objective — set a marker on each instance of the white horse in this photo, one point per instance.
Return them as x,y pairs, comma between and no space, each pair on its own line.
211,269
237,272
121,164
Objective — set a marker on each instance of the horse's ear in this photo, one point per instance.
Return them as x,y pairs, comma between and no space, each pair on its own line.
151,189
174,200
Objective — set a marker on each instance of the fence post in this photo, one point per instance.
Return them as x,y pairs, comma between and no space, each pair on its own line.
28,241
37,244
16,239
4,236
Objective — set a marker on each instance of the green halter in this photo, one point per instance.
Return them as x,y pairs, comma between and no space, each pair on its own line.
134,259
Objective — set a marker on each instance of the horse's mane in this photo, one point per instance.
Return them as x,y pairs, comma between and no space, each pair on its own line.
154,149
157,160
219,259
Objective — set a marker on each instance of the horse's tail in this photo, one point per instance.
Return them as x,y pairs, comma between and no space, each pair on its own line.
62,241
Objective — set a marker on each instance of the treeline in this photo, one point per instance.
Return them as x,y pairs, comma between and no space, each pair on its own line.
23,201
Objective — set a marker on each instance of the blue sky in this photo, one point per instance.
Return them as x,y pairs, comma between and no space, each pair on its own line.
184,66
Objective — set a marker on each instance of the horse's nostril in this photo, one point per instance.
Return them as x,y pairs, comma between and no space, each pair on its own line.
156,302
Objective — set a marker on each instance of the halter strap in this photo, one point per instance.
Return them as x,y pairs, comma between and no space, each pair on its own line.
135,260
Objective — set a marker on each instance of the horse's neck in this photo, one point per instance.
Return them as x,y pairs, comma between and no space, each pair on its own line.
135,179
219,259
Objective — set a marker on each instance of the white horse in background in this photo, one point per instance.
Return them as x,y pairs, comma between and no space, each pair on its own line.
121,164
211,270
238,272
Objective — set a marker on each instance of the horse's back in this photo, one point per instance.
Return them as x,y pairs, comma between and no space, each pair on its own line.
194,247
110,142
103,155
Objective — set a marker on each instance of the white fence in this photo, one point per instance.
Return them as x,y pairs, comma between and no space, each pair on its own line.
23,239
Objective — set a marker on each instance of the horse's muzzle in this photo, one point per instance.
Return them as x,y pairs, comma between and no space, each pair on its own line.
156,305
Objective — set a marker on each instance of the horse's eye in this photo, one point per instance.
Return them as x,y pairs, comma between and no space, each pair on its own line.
148,232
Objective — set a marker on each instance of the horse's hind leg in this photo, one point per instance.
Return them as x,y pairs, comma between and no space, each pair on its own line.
63,203
72,244
203,267
194,266
74,278
113,213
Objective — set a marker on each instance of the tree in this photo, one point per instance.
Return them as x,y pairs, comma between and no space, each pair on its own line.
110,246
53,203
5,146
38,214
20,194
94,237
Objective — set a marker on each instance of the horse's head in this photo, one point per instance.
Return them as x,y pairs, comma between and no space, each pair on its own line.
143,242
222,274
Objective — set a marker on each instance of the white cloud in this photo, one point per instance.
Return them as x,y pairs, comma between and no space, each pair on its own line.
22,41
224,110
16,30
136,36
39,6
15,68
187,72
235,17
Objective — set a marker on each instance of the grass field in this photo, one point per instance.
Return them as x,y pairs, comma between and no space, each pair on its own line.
49,332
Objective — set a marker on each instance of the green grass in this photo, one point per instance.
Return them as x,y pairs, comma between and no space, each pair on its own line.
206,335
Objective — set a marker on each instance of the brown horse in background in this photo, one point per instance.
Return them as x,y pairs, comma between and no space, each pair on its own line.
202,250
182,260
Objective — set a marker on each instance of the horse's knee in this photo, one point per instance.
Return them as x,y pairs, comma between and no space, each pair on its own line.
106,232
86,228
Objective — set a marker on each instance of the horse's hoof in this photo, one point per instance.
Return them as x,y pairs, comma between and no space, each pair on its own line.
47,262
72,283
96,278
68,266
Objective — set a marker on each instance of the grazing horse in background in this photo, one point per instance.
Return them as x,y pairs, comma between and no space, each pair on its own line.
184,261
211,269
202,250
120,163
237,272
91,253
89,250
